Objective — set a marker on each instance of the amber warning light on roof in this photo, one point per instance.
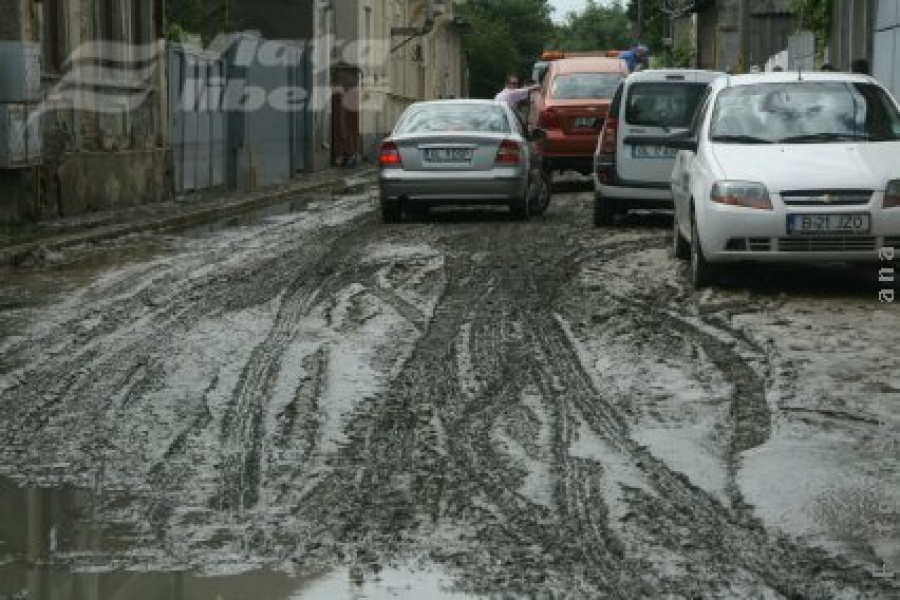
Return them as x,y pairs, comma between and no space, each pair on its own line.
556,54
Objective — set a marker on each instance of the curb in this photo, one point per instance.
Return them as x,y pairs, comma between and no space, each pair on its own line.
181,216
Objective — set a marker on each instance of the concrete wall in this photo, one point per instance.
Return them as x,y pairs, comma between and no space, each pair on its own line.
104,180
886,45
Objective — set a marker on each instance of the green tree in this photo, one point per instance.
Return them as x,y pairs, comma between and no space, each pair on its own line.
507,37
204,17
815,16
597,27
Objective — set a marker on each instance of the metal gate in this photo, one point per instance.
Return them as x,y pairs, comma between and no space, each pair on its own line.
266,130
196,118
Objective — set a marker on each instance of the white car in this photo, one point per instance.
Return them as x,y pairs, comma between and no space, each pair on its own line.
787,167
631,175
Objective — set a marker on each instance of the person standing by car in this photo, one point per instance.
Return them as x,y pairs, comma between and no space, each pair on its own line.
514,95
634,57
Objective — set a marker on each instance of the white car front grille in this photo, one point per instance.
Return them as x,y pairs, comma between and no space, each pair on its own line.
826,244
826,197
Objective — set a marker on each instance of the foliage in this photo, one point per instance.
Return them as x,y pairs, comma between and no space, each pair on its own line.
507,37
650,23
815,16
683,52
597,27
204,17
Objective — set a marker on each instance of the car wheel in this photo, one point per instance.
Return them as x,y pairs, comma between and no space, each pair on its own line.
603,212
681,249
519,208
702,273
541,200
391,211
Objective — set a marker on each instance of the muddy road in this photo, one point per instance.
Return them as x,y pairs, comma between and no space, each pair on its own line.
311,404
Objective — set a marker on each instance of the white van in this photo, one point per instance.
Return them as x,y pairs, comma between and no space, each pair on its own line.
631,175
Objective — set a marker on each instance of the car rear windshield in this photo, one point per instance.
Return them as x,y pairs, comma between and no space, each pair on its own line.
585,86
805,112
663,103
454,117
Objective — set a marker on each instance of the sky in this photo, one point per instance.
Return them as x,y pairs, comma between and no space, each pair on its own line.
564,7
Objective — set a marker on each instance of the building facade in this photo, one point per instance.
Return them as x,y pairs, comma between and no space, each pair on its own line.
102,105
87,79
885,59
868,30
737,35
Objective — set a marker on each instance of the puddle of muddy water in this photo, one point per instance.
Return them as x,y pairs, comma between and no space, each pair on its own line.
53,546
56,274
42,582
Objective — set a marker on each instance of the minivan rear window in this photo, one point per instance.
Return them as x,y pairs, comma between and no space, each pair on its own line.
663,103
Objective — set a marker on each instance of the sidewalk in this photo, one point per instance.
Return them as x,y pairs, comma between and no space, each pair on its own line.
190,210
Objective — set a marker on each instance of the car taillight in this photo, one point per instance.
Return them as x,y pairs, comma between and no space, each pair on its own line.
608,139
389,155
548,119
892,195
508,153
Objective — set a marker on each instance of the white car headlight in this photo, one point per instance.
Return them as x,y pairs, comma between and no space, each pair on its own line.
741,193
891,195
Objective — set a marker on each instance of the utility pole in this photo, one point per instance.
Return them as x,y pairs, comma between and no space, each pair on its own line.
640,20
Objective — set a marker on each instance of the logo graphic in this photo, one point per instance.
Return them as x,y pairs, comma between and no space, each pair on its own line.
105,77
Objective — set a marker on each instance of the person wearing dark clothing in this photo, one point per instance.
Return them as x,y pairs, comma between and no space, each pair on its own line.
860,65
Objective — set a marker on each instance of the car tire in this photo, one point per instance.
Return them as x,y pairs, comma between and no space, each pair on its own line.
603,212
541,200
681,249
519,209
391,211
702,272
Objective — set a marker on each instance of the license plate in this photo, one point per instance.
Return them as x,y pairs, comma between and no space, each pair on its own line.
447,155
828,223
653,152
585,122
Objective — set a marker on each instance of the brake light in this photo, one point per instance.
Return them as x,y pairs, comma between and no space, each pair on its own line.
548,119
508,153
608,138
892,195
389,155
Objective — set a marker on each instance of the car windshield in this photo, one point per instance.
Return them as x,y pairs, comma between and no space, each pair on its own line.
804,112
454,117
663,103
584,86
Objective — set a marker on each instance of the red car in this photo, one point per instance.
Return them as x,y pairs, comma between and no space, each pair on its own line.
571,106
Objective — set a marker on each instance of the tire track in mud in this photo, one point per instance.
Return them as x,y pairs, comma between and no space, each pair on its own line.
425,457
122,351
397,476
749,411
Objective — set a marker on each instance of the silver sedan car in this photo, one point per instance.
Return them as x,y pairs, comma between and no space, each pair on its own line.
461,152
